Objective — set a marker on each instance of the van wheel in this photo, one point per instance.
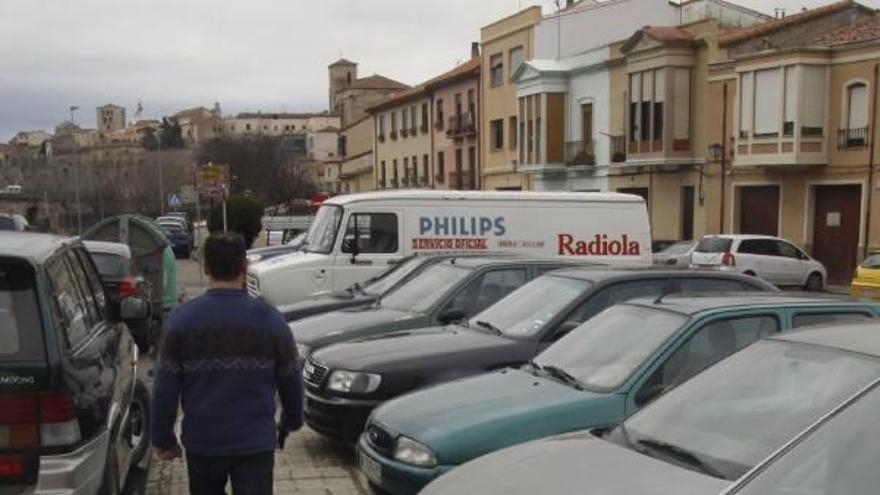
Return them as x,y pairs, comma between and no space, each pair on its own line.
110,480
750,273
814,282
138,428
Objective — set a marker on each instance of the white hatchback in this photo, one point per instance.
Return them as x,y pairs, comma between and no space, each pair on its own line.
775,260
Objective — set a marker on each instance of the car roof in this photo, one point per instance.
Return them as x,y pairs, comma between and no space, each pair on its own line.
480,261
860,337
116,248
32,246
598,274
422,194
742,236
690,304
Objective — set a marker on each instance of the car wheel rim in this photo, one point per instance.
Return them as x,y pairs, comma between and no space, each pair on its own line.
136,432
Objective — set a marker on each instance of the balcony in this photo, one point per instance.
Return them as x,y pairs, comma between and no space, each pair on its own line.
393,135
413,131
461,180
580,153
796,146
381,137
618,149
462,126
424,128
852,139
404,132
439,124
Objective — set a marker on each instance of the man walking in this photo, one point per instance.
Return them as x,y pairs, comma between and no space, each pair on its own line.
224,357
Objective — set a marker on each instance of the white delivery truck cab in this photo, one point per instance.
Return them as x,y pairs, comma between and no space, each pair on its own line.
356,236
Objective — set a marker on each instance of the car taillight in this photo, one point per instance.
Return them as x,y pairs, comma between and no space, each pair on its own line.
31,420
11,466
728,259
128,287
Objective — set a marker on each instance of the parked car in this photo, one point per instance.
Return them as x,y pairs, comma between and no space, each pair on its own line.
74,416
121,279
596,376
866,283
358,295
173,219
13,222
352,237
776,260
181,243
676,254
294,245
443,293
346,381
793,414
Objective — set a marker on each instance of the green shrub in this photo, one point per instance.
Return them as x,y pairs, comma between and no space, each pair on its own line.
243,215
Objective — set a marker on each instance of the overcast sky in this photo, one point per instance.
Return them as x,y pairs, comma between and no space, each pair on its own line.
266,55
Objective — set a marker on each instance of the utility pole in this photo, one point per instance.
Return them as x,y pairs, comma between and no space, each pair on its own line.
79,225
159,166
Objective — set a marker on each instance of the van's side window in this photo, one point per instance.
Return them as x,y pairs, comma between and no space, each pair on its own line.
68,303
371,233
86,295
94,282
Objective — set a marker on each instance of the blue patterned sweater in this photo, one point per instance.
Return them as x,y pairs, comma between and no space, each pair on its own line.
224,358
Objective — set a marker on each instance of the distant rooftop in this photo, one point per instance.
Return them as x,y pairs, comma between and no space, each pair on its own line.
775,25
377,82
343,62
862,31
282,115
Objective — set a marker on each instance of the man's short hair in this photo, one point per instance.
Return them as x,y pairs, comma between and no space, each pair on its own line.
224,255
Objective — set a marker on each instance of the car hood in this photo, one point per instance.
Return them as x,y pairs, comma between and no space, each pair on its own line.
324,304
468,418
428,348
573,464
283,248
338,326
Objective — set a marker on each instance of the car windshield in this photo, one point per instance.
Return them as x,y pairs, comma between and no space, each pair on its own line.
736,413
7,223
525,311
110,265
714,245
426,289
298,240
840,457
322,233
872,261
603,352
21,337
678,248
386,280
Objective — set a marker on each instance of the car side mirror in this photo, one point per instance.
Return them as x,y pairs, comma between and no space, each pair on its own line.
133,308
649,393
451,315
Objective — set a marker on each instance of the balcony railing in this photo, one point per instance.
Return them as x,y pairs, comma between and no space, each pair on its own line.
382,138
413,131
438,125
404,132
462,125
424,128
578,153
393,135
461,181
618,149
848,139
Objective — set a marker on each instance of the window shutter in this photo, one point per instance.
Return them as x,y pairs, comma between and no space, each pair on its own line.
767,116
682,103
746,93
791,96
814,96
858,106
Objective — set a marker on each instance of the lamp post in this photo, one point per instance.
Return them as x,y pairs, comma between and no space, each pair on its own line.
79,225
159,167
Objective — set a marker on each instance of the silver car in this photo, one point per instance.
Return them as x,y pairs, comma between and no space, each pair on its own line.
717,433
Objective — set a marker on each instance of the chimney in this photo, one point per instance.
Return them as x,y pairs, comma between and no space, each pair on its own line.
475,49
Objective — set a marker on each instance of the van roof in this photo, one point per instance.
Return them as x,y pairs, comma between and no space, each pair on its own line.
34,247
418,194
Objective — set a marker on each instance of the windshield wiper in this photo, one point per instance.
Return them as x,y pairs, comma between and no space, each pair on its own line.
491,327
681,455
561,374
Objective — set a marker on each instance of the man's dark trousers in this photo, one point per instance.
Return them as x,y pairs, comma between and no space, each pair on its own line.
249,474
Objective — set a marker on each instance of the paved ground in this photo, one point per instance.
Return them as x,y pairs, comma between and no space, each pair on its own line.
309,465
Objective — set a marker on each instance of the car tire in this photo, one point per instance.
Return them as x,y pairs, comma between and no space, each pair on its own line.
750,273
110,478
814,282
137,429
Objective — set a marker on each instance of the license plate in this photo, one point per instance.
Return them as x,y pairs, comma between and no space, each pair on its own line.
371,469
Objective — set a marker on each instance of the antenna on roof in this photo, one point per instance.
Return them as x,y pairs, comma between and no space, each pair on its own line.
667,289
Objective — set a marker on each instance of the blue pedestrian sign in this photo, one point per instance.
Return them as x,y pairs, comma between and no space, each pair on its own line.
173,200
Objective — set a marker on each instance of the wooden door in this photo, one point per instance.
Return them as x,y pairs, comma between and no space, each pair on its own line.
836,225
759,210
687,213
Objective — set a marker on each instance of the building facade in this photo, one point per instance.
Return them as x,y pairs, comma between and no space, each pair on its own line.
356,153
504,45
278,124
403,140
110,118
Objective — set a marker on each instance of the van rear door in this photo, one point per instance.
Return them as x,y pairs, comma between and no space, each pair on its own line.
371,242
23,372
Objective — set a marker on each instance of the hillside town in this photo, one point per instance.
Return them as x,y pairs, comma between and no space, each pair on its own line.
616,236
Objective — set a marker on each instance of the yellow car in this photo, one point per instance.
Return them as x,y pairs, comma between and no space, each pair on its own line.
867,280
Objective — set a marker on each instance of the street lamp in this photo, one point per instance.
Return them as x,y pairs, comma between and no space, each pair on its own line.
76,192
716,152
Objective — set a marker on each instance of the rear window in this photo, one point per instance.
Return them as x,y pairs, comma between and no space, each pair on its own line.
7,223
110,265
714,245
21,333
872,261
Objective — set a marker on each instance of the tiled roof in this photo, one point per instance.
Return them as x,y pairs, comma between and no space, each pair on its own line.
774,25
377,82
472,66
280,115
864,30
668,33
342,61
399,97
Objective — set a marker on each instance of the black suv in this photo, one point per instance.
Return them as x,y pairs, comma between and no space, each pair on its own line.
74,417
346,381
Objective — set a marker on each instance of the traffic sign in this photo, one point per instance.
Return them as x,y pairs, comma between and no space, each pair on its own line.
173,200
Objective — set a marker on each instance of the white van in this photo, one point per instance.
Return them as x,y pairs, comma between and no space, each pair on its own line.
354,237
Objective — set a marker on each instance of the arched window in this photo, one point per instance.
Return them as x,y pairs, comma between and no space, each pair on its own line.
857,105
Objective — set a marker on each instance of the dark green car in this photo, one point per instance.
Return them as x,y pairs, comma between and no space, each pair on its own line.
596,376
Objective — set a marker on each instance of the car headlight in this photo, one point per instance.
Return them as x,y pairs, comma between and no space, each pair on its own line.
409,451
353,382
302,350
